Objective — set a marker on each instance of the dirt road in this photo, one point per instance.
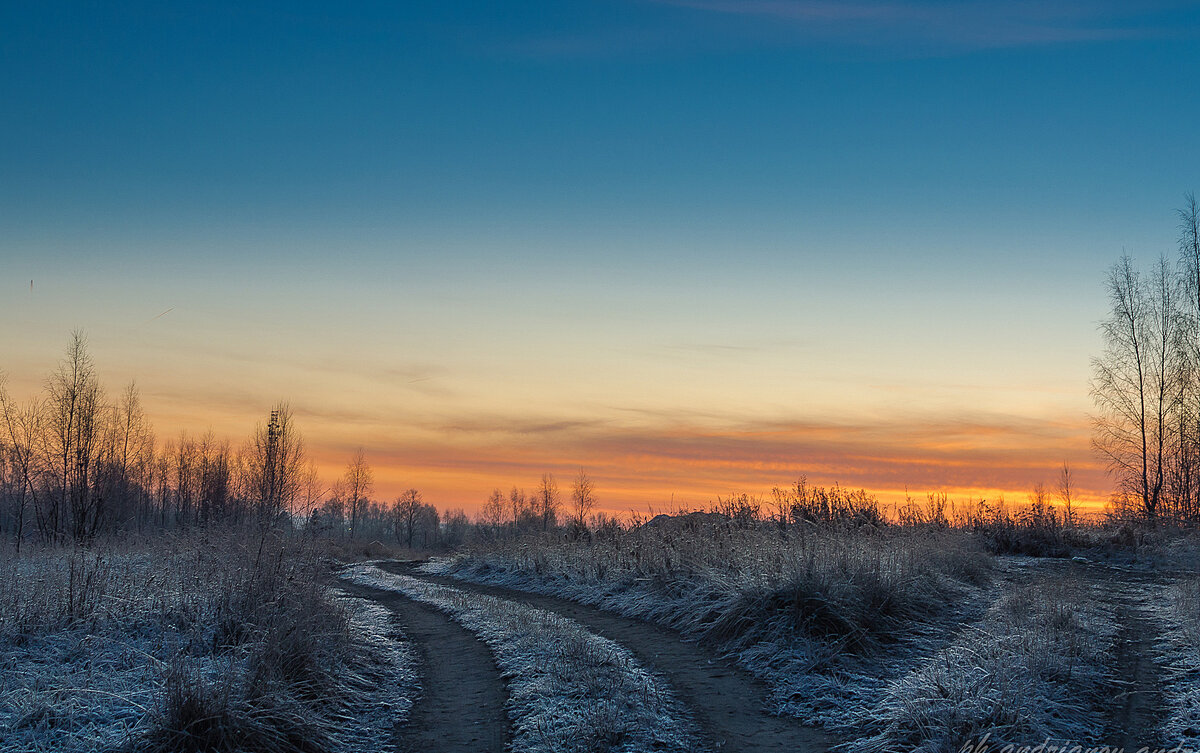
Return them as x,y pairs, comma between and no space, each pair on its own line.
728,703
1135,710
461,707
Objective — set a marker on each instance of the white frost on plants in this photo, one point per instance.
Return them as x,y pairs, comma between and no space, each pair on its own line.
1177,607
93,677
388,684
570,690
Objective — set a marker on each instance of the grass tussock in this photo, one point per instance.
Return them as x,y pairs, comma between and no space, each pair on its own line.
216,641
1179,654
809,608
1034,668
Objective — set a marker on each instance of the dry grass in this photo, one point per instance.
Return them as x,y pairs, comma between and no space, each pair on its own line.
825,614
1034,668
215,642
728,584
571,691
1179,610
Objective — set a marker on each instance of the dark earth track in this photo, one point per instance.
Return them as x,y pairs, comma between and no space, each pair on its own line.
727,703
462,704
1136,708
461,707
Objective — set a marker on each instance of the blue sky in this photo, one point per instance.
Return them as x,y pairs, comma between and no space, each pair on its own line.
646,115
694,192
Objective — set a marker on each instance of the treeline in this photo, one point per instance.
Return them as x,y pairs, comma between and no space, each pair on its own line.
1146,382
349,512
75,463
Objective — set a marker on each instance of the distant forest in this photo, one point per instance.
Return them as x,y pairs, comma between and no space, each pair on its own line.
76,462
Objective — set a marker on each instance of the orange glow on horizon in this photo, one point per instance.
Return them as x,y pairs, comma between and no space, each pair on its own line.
642,470
427,427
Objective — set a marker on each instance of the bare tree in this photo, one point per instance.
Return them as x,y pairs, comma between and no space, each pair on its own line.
133,454
456,527
311,490
73,420
406,512
547,504
583,498
162,485
184,478
428,522
215,479
1132,384
1185,479
21,433
1066,492
358,482
492,513
522,509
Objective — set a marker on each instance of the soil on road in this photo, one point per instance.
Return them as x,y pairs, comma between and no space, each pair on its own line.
461,706
727,703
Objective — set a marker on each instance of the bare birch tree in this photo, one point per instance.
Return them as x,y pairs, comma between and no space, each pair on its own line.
493,511
547,504
1134,381
583,498
73,423
406,512
1186,476
358,483
20,434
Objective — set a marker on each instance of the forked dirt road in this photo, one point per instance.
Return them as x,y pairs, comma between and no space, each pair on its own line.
726,702
462,704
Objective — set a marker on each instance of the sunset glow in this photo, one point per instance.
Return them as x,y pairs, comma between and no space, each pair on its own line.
697,248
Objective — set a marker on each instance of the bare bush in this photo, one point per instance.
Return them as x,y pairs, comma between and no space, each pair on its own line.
208,642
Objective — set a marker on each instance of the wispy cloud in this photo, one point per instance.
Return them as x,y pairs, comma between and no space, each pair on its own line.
890,27
974,24
649,461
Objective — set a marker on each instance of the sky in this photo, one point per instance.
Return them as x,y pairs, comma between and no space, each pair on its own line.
697,247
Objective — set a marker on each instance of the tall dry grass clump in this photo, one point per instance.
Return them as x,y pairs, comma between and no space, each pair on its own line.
219,640
733,585
1034,668
825,612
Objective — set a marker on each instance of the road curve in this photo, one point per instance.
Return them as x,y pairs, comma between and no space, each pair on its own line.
461,706
728,704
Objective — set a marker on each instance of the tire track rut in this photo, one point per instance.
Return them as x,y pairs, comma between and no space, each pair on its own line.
726,701
461,706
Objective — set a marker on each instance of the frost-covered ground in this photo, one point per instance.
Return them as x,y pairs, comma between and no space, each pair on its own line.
570,690
1022,652
111,648
1178,609
826,621
1033,669
386,684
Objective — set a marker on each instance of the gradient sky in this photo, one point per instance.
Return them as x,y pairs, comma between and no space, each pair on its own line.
697,246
